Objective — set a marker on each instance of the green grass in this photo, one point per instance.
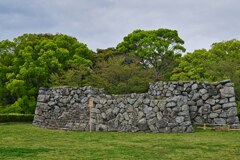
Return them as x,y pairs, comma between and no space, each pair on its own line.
24,141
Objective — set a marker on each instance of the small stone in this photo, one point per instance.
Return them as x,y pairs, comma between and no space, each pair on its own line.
232,111
228,105
232,99
130,100
195,96
142,124
171,104
168,94
210,101
152,121
121,105
205,96
223,115
120,117
219,121
227,92
191,103
51,103
161,104
194,86
129,108
140,114
150,115
200,102
159,115
146,101
115,110
224,100
199,120
161,123
103,101
184,113
155,109
231,120
193,108
152,128
202,91
213,115
218,111
179,119
72,101
146,109
125,115
104,115
185,108
43,98
216,107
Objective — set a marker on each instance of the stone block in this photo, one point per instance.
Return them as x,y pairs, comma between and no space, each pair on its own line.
227,92
116,110
210,101
202,91
219,121
193,108
171,104
43,98
142,124
179,119
213,115
229,105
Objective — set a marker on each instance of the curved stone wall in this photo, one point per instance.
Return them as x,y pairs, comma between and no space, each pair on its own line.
167,107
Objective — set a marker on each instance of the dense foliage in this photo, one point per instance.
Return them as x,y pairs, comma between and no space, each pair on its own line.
121,75
31,61
27,62
157,49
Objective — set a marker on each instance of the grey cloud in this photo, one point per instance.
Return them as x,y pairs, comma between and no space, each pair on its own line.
104,23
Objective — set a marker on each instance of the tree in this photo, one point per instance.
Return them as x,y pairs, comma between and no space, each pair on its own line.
104,54
74,77
193,66
27,62
156,48
118,76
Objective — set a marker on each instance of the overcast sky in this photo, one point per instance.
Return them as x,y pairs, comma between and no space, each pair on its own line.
104,23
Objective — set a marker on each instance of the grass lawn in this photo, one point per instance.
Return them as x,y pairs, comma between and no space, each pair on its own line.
24,141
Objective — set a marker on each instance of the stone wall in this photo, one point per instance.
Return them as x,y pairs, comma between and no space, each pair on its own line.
167,107
210,103
67,108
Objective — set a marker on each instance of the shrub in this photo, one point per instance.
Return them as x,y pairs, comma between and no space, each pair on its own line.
10,109
16,117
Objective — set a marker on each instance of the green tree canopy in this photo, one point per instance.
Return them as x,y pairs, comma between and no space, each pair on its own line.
118,75
27,62
156,48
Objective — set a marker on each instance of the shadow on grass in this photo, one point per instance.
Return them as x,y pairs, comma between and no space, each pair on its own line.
21,152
